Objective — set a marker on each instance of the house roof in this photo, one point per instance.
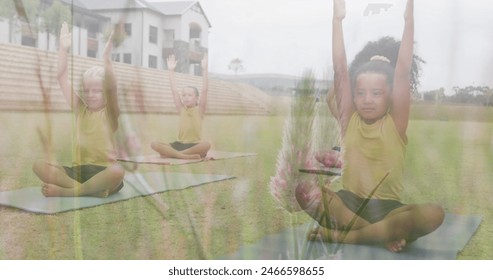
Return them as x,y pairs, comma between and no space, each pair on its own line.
169,8
78,6
176,8
76,3
173,7
116,4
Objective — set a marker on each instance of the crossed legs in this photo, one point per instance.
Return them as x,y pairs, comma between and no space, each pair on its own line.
401,225
56,182
198,151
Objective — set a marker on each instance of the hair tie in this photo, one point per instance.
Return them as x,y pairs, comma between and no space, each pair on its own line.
380,57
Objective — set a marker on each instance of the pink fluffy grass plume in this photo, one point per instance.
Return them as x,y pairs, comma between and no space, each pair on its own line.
331,158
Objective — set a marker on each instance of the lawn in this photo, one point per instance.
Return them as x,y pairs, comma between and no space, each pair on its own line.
448,162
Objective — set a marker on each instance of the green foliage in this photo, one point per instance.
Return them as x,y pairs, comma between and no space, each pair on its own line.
25,10
297,145
447,162
327,131
54,16
302,112
119,35
7,9
28,11
236,65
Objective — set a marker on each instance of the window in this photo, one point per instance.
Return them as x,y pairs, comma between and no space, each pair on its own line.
128,29
153,34
127,58
152,61
92,30
28,38
91,53
195,32
28,41
169,38
115,57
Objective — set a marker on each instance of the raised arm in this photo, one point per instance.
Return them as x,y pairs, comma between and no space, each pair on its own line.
171,62
331,102
342,84
110,85
205,86
62,72
401,99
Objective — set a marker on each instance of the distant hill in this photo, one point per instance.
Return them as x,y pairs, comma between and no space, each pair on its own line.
273,84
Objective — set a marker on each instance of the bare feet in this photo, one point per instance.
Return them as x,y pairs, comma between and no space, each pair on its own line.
179,155
334,236
50,190
396,246
194,156
166,151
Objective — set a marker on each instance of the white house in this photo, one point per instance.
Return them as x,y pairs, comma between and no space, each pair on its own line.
156,30
86,31
153,31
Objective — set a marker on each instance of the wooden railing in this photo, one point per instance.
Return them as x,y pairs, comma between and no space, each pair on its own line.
28,83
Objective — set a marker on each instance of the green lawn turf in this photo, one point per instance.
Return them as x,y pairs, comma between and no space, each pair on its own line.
448,162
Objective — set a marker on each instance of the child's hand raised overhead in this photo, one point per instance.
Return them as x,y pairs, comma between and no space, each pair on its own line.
171,62
109,45
339,9
408,13
65,37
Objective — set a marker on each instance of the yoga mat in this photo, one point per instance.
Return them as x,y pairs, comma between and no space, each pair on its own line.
442,244
137,184
156,159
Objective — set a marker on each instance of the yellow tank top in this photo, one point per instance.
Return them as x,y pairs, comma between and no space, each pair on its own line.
190,125
94,143
369,152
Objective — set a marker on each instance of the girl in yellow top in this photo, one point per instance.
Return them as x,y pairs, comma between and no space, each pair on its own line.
191,107
373,102
94,171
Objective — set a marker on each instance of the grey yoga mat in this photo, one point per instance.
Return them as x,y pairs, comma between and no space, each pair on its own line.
442,244
137,184
156,159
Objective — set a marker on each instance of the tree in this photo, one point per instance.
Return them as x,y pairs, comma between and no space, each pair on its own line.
18,12
488,93
119,34
236,65
53,17
416,73
7,9
436,95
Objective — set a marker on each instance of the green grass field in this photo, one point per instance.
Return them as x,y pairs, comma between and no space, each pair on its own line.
449,162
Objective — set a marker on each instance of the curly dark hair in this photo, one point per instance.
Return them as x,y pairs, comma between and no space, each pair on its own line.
389,48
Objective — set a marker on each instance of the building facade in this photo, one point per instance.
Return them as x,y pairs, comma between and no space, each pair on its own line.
149,32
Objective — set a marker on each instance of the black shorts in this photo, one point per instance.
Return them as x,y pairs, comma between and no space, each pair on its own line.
82,173
179,146
375,210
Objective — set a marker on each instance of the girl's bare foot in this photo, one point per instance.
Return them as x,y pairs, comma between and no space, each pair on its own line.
180,155
194,156
396,246
333,236
50,190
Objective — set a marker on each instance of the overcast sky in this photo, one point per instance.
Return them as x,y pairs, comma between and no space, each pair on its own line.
454,37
